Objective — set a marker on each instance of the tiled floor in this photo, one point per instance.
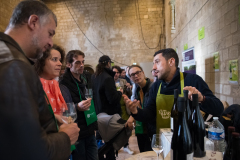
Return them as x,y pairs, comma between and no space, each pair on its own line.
132,145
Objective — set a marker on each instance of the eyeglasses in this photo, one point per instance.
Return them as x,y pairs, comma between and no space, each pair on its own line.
136,73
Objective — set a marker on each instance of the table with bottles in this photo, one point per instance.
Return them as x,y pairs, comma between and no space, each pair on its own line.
166,138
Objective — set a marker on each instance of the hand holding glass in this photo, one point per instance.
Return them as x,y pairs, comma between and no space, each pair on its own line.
69,115
157,144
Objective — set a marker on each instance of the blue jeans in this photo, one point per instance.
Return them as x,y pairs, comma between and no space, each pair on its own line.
86,149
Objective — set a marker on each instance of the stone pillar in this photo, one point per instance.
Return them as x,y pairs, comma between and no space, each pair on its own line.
172,3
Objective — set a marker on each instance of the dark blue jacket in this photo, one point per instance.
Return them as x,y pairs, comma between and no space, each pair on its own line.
211,105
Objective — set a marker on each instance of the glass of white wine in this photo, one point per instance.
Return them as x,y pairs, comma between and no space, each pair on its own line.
88,93
157,144
69,114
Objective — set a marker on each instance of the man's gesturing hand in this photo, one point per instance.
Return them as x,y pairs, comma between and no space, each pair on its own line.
132,106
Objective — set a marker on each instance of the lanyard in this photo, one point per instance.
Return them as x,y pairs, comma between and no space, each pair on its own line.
79,91
50,109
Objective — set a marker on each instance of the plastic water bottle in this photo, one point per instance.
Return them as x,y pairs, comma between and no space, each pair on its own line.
217,135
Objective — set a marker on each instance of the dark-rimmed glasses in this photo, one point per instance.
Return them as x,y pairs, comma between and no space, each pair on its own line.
136,73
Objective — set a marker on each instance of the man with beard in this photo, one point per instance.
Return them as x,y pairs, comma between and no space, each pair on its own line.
73,87
158,108
28,126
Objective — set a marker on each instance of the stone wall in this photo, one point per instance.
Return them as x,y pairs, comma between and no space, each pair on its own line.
126,30
6,8
222,34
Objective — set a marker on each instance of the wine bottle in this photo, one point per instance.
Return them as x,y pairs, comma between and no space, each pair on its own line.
198,129
174,111
188,110
228,152
181,145
235,146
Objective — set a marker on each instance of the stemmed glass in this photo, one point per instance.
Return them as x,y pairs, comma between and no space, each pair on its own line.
88,93
69,115
157,144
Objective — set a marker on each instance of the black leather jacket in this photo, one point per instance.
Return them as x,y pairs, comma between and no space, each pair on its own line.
27,128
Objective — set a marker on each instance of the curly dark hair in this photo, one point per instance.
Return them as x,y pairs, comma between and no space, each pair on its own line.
118,68
40,63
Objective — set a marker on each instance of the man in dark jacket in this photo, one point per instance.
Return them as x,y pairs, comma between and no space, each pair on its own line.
75,84
28,127
105,95
161,93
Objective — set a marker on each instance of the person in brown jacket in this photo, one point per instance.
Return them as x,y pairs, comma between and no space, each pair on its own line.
28,129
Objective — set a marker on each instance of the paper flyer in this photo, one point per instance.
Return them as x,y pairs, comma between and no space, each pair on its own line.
216,61
201,33
233,69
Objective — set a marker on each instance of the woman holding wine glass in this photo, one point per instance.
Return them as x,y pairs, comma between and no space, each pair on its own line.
48,68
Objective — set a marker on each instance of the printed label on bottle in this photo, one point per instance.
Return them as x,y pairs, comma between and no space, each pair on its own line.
190,156
216,136
171,123
171,154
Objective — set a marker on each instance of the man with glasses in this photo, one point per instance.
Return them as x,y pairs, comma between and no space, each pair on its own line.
158,108
143,131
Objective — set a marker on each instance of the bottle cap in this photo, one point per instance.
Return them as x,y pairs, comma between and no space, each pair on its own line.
195,99
215,118
231,128
235,135
175,93
185,92
181,104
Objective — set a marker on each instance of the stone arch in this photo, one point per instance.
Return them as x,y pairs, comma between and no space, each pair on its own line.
88,69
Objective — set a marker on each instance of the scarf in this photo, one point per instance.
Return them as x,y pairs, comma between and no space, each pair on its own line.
54,95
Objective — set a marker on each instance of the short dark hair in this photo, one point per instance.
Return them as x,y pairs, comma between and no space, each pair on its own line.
118,68
167,54
132,66
40,63
25,9
73,54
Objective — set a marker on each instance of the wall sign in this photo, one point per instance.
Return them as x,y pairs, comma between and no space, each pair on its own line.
216,61
189,64
233,69
201,33
185,47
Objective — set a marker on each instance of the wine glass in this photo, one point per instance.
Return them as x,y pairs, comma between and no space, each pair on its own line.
88,93
157,144
69,114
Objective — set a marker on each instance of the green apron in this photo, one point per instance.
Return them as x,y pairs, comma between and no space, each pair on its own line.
163,106
90,114
50,109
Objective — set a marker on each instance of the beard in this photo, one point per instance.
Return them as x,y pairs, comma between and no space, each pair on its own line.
38,53
164,75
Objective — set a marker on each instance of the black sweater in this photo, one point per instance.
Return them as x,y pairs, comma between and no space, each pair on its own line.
211,105
69,82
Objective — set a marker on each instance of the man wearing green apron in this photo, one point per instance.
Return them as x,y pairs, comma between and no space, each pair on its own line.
158,108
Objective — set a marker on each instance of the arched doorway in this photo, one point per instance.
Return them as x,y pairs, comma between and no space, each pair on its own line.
88,69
